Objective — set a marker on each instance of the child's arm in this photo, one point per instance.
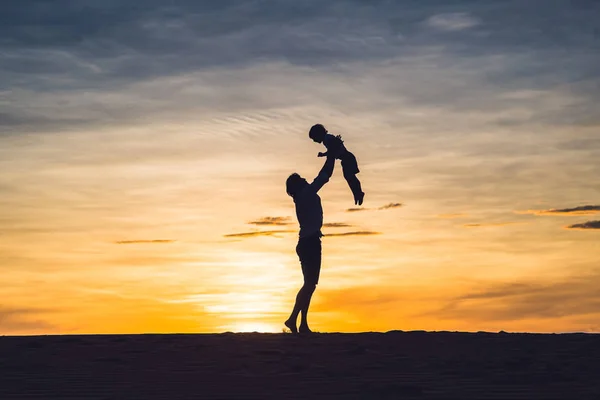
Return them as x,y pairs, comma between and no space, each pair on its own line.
333,145
326,144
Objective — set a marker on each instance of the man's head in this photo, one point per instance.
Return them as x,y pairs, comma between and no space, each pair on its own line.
294,183
317,133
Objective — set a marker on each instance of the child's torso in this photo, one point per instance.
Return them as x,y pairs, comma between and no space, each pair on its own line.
333,143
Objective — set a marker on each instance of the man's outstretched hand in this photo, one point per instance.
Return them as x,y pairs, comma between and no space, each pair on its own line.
322,154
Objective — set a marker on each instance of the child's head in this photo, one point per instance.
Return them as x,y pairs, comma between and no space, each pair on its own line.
317,133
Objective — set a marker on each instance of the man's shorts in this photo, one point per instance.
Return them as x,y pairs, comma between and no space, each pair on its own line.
349,164
309,252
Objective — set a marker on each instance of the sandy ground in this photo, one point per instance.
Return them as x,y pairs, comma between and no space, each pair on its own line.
394,365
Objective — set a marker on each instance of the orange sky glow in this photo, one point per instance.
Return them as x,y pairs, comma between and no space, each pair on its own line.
158,204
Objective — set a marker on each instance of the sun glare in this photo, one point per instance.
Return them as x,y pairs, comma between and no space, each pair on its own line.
253,327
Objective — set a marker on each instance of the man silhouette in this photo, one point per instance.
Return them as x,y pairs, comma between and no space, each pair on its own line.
310,217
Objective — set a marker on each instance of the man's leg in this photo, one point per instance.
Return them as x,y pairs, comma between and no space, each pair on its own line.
311,279
291,322
309,252
308,292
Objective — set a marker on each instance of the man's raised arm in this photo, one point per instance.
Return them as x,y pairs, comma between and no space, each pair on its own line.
324,174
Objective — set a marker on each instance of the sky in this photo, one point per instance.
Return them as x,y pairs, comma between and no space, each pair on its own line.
144,148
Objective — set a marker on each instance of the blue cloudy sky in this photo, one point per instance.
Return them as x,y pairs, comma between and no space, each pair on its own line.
144,148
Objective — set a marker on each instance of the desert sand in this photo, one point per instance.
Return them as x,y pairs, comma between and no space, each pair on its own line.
393,365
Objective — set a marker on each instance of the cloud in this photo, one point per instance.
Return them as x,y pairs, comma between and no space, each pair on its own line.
354,233
18,320
275,221
485,225
506,301
336,225
276,232
85,67
585,225
452,215
384,207
390,205
579,144
575,211
257,233
144,241
451,22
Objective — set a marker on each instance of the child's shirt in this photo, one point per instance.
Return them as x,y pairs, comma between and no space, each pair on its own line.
335,144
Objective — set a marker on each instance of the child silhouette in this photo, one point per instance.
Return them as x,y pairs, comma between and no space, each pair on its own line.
335,145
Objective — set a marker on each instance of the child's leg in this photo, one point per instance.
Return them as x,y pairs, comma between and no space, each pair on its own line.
350,168
354,185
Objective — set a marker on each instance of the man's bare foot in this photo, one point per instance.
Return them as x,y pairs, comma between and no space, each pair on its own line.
305,329
292,325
